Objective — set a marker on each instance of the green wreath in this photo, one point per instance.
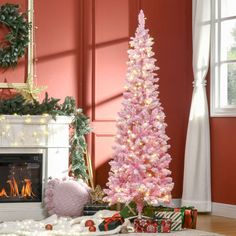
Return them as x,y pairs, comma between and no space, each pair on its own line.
13,46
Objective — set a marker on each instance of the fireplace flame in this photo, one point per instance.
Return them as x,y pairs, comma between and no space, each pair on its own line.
14,191
3,193
26,190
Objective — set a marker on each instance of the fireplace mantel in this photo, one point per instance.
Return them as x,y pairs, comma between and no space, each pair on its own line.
34,131
35,134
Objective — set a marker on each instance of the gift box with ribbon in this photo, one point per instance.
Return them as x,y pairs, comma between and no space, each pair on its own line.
190,218
111,223
149,211
164,225
176,218
129,210
91,209
145,225
188,215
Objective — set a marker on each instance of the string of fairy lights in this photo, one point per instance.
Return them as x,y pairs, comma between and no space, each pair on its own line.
16,134
64,226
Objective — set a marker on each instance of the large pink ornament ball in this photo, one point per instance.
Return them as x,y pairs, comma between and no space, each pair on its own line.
66,197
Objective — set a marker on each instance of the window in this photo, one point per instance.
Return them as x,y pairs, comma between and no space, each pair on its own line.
223,58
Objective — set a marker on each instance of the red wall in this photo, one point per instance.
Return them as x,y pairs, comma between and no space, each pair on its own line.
57,47
81,50
223,160
170,25
58,40
16,75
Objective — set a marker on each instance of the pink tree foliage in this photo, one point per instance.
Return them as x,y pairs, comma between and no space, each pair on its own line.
140,166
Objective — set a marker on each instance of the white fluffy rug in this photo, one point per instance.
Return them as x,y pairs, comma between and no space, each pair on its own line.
56,233
74,227
187,232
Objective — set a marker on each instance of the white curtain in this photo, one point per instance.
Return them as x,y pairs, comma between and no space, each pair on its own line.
197,170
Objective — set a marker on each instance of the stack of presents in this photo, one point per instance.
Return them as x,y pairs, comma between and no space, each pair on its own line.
155,219
161,219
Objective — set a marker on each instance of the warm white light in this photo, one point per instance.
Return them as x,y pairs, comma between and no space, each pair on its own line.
42,121
28,120
148,101
46,133
145,124
2,117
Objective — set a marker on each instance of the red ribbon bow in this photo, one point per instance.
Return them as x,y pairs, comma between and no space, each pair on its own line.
108,220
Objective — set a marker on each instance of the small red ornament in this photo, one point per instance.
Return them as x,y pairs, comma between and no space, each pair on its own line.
92,228
48,227
89,223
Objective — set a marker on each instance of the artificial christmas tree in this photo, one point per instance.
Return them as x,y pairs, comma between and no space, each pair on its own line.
139,169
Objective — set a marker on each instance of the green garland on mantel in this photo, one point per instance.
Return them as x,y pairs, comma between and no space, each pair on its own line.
80,124
15,42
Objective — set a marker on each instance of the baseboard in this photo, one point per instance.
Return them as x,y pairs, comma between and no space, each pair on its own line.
176,202
218,209
225,210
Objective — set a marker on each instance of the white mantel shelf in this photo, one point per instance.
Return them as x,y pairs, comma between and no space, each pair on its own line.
34,131
35,134
37,119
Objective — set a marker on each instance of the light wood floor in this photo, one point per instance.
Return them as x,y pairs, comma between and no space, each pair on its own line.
216,224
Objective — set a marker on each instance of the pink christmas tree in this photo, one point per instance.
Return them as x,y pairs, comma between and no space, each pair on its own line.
139,169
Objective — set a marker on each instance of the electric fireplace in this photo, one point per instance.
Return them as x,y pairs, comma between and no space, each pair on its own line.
32,149
20,177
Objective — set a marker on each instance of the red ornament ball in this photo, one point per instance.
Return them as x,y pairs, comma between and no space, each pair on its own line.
89,223
48,227
92,228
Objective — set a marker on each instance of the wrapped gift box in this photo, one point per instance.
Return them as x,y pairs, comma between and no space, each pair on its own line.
149,211
89,213
129,210
175,217
188,214
111,223
91,209
190,218
164,225
144,225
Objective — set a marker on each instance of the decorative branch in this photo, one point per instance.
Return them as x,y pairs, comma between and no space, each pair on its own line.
79,127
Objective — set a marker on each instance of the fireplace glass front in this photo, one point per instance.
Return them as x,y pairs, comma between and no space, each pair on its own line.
21,177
